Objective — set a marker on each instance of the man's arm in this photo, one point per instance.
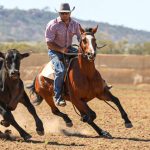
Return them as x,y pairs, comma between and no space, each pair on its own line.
78,33
54,46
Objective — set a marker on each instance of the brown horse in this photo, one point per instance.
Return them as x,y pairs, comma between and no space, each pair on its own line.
83,83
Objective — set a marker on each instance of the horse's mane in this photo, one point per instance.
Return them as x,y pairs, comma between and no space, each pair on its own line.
88,30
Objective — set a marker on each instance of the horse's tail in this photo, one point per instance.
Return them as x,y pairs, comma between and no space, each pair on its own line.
31,87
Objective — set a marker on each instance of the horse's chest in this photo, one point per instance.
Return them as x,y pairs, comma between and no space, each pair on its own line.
86,88
87,84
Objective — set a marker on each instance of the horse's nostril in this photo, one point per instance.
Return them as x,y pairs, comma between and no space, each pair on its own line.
89,54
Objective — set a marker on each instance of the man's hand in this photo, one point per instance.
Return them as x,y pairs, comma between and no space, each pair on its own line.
54,46
64,50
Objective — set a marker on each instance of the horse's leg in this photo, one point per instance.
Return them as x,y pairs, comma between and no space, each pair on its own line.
88,115
100,132
39,125
56,111
8,117
91,114
107,95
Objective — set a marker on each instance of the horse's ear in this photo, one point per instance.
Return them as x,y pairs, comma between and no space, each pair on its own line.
94,30
2,55
81,29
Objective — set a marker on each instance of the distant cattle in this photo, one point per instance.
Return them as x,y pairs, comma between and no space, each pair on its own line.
12,92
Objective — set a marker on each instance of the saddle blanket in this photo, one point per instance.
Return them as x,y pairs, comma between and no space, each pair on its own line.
48,71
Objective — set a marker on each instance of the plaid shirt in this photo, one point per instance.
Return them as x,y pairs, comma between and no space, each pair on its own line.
57,32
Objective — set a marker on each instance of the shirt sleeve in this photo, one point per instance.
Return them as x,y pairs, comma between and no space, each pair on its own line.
50,33
78,33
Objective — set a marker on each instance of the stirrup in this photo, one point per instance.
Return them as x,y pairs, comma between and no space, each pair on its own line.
109,86
61,103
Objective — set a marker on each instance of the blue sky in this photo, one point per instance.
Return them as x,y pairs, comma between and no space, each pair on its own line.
129,13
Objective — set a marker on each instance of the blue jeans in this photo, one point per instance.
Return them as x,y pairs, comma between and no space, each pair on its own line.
59,68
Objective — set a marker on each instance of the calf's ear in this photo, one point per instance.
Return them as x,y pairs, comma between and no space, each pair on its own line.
23,55
2,55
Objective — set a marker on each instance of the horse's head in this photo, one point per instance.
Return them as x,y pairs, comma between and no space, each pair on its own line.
12,60
88,42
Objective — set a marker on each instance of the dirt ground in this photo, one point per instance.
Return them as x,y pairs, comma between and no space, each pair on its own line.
135,100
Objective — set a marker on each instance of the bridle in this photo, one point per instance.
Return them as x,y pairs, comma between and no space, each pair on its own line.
90,56
81,52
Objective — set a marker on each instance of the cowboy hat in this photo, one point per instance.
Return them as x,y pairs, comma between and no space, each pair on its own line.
64,7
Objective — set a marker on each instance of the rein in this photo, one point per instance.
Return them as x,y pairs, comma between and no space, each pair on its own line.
66,75
101,46
67,79
74,54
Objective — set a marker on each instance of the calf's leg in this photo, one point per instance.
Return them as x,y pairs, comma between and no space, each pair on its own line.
10,118
39,125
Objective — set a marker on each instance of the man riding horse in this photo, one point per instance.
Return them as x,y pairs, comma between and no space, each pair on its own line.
59,33
83,84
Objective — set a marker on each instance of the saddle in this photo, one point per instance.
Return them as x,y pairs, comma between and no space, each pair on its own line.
49,72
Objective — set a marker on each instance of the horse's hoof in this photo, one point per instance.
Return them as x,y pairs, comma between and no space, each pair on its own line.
69,124
128,125
27,137
41,133
105,134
